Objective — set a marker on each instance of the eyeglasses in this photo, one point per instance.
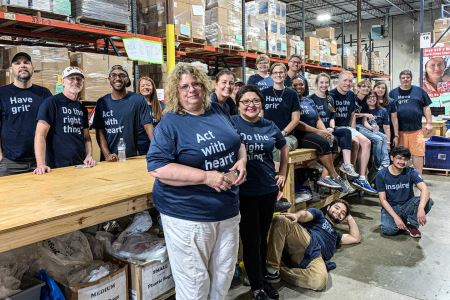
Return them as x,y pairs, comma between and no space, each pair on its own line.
278,73
253,101
121,76
194,85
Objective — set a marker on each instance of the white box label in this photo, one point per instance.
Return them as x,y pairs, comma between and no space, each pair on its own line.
113,289
156,280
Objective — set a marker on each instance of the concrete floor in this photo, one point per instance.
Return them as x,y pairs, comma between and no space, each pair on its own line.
398,267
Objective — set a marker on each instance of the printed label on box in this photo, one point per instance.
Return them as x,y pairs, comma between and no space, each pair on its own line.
185,29
115,288
198,10
156,280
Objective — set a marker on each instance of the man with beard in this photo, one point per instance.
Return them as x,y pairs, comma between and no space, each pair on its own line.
62,132
302,243
19,105
120,115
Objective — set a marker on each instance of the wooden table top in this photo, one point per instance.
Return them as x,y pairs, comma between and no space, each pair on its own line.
28,200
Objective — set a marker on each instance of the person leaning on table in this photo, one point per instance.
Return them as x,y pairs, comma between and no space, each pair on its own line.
194,146
62,133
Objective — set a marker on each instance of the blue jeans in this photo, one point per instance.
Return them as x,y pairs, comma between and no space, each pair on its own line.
407,211
379,145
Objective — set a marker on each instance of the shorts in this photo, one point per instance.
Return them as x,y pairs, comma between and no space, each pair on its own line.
414,141
354,132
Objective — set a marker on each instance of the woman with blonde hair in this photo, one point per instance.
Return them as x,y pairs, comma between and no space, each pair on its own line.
198,161
147,88
262,77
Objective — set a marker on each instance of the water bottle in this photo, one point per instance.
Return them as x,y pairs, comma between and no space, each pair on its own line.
121,150
330,141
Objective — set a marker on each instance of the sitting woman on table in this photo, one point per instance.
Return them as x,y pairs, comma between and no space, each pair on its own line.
380,87
198,161
224,90
258,194
312,133
325,107
298,84
147,88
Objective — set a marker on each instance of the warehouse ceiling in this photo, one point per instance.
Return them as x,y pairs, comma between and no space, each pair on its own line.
341,10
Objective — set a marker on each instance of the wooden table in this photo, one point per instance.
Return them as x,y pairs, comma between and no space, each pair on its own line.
35,208
438,128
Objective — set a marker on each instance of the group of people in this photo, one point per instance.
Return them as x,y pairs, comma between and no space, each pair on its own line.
219,155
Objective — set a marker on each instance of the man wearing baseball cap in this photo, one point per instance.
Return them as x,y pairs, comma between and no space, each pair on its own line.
62,135
120,115
19,104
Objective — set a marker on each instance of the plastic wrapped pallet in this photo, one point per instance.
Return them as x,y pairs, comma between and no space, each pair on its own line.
224,24
112,11
440,25
256,29
62,7
20,3
42,5
295,45
273,12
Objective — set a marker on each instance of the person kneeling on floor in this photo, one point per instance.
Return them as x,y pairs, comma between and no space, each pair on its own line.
401,210
301,244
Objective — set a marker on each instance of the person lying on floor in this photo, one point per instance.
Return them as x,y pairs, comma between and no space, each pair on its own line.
301,244
401,211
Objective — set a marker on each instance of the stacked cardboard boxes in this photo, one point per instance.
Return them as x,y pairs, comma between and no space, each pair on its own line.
312,49
248,73
224,23
60,7
325,33
440,25
295,45
256,29
158,73
188,17
274,14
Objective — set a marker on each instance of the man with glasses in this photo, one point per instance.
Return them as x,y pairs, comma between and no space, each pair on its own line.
295,65
401,210
19,105
412,102
62,133
120,115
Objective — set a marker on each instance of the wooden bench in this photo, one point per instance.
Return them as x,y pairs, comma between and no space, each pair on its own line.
300,157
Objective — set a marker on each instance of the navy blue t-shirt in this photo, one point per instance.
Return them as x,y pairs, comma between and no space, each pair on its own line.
324,237
261,82
229,106
308,112
65,139
260,139
18,111
360,107
398,188
143,140
208,142
122,119
410,106
323,108
279,105
344,106
288,83
381,117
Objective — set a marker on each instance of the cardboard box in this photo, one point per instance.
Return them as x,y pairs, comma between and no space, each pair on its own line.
333,47
349,62
34,52
312,48
198,19
325,33
437,34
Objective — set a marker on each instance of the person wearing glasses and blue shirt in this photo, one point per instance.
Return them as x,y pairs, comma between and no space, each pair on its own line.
120,114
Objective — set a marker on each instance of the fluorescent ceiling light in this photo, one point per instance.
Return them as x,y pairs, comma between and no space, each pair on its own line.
324,17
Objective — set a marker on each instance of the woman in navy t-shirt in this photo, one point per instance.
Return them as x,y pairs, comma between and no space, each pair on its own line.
259,193
147,88
198,161
262,66
381,89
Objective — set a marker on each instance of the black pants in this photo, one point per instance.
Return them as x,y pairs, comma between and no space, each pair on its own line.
343,137
256,217
313,141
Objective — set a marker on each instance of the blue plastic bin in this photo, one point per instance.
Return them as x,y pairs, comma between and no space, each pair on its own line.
437,153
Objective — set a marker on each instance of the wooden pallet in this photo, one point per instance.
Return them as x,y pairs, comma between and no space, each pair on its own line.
312,62
255,51
231,47
182,38
446,171
102,24
33,12
273,55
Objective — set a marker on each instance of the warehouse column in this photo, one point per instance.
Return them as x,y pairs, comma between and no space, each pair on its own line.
421,17
358,42
170,37
134,30
244,41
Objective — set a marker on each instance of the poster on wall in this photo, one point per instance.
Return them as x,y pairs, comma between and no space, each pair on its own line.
436,81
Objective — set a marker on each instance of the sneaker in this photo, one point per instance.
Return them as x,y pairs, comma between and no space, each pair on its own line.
349,186
349,170
260,295
414,231
282,205
363,185
273,277
303,197
271,291
344,189
328,182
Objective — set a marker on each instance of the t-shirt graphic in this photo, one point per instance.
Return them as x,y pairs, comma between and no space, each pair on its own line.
308,112
344,106
18,111
381,117
279,105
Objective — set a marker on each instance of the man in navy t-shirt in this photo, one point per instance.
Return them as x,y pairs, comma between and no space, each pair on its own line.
120,115
62,133
295,64
401,210
412,102
310,239
19,104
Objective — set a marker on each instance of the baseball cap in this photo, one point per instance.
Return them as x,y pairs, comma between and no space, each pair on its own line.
20,54
72,70
123,69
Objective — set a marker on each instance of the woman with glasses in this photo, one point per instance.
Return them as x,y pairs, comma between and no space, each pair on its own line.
259,193
198,161
260,79
147,88
223,92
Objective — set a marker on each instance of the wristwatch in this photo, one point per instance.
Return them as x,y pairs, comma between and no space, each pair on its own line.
284,133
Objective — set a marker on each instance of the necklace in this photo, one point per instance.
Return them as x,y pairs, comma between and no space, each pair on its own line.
282,92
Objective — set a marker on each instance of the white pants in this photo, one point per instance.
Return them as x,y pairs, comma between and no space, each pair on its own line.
202,256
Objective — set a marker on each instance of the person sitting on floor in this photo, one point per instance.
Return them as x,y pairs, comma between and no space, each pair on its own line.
401,210
310,240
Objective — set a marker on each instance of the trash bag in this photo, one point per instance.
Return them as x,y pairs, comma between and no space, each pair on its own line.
142,247
51,290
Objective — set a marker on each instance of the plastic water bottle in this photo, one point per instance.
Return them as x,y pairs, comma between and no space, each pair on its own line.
121,150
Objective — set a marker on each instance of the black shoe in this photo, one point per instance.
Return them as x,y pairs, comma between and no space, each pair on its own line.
281,205
260,295
271,291
273,278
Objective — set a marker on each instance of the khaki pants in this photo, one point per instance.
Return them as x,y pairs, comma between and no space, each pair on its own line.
292,143
293,237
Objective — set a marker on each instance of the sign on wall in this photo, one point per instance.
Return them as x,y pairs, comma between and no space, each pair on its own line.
436,81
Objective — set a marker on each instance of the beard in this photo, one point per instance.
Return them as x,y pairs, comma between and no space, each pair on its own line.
24,76
333,219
